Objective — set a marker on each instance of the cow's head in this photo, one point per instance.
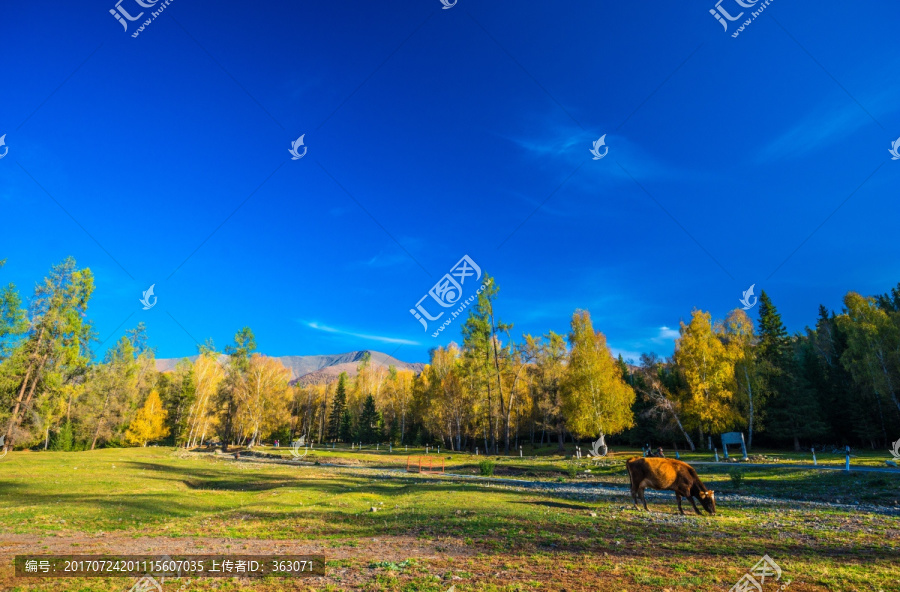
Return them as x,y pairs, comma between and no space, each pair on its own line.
708,500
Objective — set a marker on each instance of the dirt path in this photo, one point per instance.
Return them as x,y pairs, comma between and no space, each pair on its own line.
382,548
354,571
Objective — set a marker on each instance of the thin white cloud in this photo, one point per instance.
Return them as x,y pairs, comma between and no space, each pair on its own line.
667,334
380,338
816,131
552,142
664,338
830,122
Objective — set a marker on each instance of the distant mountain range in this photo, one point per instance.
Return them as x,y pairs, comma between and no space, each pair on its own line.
317,369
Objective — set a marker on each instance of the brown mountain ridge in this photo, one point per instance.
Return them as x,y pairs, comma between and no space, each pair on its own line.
317,369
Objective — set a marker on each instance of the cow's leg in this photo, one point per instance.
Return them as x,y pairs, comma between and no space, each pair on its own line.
643,499
678,497
691,498
634,492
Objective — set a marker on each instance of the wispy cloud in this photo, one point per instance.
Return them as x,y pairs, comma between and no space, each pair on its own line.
665,337
336,331
666,334
560,147
828,123
820,129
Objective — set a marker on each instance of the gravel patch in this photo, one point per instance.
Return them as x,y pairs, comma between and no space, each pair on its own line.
593,492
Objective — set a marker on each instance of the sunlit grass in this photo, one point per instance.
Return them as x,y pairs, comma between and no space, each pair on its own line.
154,493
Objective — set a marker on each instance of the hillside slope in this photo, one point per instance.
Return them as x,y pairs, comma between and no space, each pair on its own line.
312,369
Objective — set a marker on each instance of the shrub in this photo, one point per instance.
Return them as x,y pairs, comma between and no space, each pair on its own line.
486,467
65,438
737,478
572,469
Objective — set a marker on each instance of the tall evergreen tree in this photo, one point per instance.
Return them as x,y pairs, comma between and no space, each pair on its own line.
13,322
58,338
842,401
338,406
481,336
369,422
890,302
235,381
774,341
345,432
179,393
794,410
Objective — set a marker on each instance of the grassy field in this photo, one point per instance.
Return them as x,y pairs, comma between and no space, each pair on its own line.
430,532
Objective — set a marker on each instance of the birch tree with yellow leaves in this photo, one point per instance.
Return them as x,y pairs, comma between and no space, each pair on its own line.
264,405
150,422
208,373
595,398
709,371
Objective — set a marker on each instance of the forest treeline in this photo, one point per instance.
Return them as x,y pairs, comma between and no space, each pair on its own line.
833,383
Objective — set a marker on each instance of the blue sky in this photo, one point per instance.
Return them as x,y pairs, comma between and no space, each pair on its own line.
434,133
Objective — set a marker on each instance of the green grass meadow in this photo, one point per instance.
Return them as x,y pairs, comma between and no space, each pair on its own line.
431,532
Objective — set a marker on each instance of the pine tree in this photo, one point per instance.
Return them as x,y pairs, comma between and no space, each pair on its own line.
235,381
797,412
65,438
843,402
345,432
774,342
338,406
59,337
394,432
369,422
794,411
178,393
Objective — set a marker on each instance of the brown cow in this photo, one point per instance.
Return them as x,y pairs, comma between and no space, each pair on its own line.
671,474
